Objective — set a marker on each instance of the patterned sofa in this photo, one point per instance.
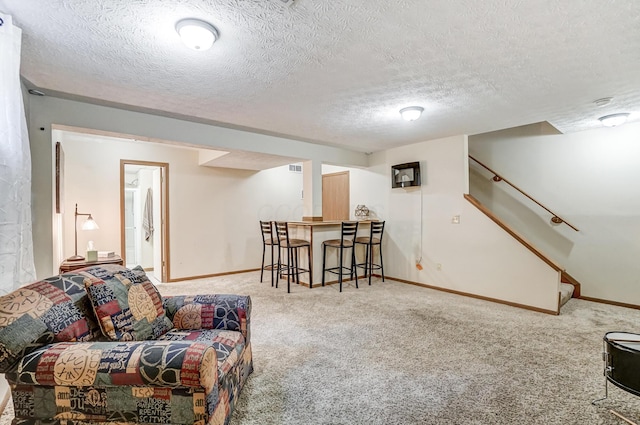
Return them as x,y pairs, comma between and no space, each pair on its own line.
101,346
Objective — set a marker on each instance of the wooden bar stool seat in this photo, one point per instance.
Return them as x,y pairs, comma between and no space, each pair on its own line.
346,242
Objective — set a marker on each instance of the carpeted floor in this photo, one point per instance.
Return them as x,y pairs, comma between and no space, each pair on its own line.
393,353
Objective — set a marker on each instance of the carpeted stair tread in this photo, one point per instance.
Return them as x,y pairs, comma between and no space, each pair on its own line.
566,292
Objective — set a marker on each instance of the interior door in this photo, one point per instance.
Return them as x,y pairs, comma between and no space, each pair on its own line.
335,196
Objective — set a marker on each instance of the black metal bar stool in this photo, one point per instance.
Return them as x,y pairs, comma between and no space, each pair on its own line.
269,239
292,268
374,238
346,241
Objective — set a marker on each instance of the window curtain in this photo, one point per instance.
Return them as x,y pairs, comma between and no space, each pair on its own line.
16,241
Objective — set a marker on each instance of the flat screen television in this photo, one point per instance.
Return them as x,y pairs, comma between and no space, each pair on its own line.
405,175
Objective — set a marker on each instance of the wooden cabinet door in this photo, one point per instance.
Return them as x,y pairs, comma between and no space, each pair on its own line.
335,196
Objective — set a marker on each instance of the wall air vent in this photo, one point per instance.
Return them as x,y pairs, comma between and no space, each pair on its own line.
295,168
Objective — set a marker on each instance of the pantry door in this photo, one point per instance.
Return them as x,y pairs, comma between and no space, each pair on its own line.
335,196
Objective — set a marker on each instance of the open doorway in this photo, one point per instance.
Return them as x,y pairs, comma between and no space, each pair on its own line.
144,224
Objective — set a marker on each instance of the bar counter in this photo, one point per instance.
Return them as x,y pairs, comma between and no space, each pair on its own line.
317,232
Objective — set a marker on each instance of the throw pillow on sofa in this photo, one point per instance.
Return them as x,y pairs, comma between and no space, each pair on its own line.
128,306
209,311
54,309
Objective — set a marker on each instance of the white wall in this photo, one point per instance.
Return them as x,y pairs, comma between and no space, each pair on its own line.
589,178
475,256
213,212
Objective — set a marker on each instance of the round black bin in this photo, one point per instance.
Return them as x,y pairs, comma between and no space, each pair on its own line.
622,360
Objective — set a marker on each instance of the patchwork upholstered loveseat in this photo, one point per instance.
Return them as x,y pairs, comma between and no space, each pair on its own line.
101,346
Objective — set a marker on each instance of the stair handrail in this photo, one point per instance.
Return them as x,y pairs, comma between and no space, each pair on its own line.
556,219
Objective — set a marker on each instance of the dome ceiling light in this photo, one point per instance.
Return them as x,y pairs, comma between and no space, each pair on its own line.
614,119
411,113
197,34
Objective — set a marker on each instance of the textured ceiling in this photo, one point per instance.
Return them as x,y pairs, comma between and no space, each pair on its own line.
337,72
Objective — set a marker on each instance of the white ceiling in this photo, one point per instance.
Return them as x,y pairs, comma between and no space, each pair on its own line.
337,72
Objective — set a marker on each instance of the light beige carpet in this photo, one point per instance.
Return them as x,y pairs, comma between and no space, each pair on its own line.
393,353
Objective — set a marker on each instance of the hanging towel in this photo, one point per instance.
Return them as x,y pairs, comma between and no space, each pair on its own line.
147,217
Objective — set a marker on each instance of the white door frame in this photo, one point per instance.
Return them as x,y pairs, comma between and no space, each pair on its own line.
163,226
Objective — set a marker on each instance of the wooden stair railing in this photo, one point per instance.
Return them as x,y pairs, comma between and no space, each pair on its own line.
555,218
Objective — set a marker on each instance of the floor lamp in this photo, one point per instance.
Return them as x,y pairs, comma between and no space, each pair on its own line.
89,224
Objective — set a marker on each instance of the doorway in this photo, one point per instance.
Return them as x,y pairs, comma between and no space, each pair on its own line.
144,224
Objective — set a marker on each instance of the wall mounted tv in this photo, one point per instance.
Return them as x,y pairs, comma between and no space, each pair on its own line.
405,175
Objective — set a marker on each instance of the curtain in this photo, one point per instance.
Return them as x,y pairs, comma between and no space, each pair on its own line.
16,241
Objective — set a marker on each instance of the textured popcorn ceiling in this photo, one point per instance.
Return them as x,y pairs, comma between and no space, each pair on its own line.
337,72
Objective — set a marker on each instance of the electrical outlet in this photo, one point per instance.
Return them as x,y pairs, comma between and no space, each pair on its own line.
455,219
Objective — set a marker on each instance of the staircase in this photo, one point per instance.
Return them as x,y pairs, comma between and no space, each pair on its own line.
569,287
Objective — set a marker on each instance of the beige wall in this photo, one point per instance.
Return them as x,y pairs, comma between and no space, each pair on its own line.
475,256
213,212
590,178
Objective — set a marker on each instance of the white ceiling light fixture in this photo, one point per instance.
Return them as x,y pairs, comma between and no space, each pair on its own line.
411,113
197,34
614,119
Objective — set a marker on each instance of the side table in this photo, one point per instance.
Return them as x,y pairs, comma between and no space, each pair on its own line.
68,266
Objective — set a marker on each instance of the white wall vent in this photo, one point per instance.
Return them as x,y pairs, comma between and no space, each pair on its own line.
296,168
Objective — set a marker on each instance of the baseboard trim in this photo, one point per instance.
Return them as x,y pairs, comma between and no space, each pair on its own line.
480,297
423,285
616,303
204,276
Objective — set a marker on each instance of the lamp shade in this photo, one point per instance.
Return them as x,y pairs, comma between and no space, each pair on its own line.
411,113
196,34
90,224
